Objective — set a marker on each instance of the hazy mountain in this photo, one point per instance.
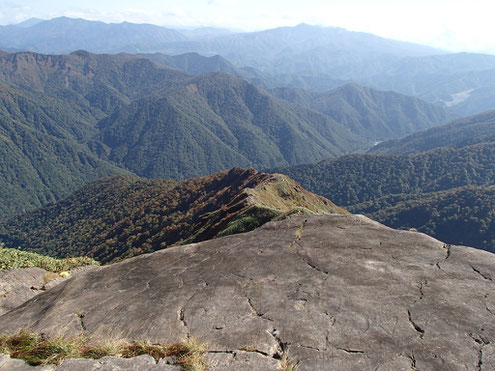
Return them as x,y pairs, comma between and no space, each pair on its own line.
205,32
460,133
29,22
264,49
64,35
196,64
122,216
375,114
309,57
463,82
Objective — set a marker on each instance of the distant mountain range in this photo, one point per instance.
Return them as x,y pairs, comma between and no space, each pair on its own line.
439,181
309,57
123,216
96,115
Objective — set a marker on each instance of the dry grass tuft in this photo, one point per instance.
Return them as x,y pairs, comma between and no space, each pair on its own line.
189,354
37,350
286,363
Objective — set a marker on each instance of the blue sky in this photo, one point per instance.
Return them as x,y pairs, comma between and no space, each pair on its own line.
449,24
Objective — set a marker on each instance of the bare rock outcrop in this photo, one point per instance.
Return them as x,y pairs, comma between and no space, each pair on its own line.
336,292
19,285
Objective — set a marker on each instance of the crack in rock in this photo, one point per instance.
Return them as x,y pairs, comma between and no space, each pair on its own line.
481,274
183,321
309,347
448,248
281,346
308,262
480,359
253,309
293,244
81,321
412,357
352,351
421,287
486,306
254,350
482,342
256,311
420,330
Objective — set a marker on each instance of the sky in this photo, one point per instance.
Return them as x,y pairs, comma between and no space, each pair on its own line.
456,25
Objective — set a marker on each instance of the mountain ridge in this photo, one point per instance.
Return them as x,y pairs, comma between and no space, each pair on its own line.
123,216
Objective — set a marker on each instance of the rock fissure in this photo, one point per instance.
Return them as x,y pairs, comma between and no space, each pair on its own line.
352,351
448,248
486,306
480,359
221,351
81,321
281,346
421,287
481,274
312,265
482,342
182,319
419,329
310,347
412,357
264,354
253,309
296,242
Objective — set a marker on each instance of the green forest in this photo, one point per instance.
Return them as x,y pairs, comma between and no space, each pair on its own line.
124,216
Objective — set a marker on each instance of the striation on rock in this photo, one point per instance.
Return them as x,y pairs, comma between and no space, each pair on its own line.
336,292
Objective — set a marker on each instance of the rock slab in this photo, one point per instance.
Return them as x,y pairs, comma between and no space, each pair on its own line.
334,292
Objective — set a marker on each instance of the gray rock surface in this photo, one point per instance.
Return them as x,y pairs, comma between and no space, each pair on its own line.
140,363
19,285
11,364
335,292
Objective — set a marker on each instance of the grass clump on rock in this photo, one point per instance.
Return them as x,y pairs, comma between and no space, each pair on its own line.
37,350
16,259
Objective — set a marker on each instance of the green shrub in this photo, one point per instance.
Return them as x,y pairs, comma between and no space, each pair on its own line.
14,259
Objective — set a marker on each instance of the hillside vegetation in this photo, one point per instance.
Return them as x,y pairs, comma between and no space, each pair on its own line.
17,259
354,179
378,115
460,133
69,119
464,215
125,216
446,191
217,121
